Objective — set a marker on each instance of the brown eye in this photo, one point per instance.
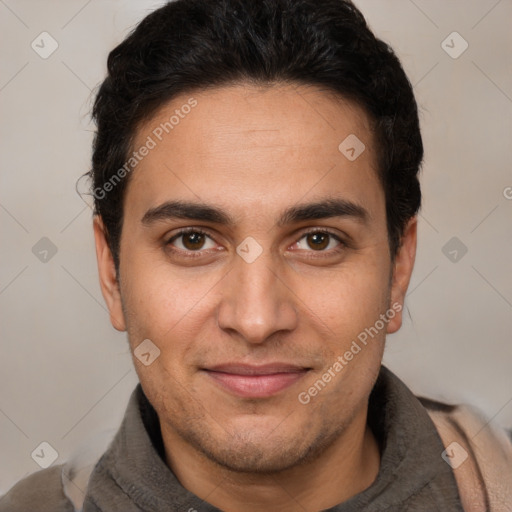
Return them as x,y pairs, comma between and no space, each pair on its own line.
193,241
318,241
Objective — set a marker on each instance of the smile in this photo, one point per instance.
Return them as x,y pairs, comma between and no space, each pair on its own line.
255,381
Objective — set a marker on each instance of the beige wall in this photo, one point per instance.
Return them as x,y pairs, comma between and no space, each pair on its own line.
65,373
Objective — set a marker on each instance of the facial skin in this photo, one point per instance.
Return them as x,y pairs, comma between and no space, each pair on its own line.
258,155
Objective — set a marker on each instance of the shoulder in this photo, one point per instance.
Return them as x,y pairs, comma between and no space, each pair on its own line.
479,453
41,491
59,488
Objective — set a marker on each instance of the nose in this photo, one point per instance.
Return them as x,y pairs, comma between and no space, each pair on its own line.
256,302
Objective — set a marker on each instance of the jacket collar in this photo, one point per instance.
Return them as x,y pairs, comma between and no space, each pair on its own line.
132,475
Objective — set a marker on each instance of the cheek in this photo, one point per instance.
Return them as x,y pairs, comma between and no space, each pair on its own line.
348,300
163,305
347,311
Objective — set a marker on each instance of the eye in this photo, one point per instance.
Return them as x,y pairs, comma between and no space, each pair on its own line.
191,241
196,240
319,241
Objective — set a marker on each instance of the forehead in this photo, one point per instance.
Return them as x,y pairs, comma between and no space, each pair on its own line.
243,145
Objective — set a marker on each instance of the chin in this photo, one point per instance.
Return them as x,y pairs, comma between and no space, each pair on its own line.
266,453
256,459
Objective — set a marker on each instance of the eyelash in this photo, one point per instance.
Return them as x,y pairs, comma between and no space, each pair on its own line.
312,254
183,232
342,244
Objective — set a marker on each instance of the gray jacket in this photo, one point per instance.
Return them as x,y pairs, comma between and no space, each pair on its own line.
421,440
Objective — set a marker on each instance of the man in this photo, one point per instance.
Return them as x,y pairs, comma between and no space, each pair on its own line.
255,181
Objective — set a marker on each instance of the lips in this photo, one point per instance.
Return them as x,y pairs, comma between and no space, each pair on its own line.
249,381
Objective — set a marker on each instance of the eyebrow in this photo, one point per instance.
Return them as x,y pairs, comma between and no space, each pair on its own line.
323,209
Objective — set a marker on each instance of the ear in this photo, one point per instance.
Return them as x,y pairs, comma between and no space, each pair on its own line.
108,277
402,270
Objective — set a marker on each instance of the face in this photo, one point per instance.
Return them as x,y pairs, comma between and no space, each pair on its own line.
254,256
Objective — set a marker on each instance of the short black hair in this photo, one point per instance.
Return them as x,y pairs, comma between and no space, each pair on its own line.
189,45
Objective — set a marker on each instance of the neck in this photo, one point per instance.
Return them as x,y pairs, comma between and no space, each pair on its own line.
342,470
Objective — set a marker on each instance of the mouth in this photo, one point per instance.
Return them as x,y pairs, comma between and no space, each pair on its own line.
249,381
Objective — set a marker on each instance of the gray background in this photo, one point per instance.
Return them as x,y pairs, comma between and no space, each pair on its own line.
65,373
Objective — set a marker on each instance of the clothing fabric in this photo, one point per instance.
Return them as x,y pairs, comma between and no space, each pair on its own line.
132,476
